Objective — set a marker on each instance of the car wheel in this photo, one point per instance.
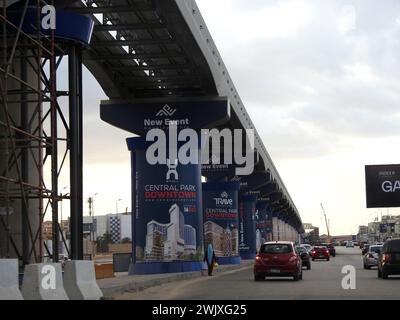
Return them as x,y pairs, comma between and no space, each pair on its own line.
309,266
296,277
379,273
384,275
327,259
301,275
258,277
313,259
365,266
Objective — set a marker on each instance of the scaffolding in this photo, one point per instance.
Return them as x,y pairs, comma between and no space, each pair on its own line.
31,125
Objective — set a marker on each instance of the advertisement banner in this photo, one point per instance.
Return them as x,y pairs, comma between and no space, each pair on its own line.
141,116
382,186
247,232
221,218
167,221
263,223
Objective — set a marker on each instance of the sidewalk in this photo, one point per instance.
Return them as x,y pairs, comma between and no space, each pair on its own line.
122,282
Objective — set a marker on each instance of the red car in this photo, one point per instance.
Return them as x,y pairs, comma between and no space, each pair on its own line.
278,259
320,253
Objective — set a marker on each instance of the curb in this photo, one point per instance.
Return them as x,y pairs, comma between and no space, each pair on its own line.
132,285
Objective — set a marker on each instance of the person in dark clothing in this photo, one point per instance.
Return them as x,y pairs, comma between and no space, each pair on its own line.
210,259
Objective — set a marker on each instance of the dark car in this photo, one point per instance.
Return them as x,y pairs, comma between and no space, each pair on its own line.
278,259
331,248
320,252
389,259
365,249
305,257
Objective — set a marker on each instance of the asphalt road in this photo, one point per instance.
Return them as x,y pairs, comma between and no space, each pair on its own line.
323,281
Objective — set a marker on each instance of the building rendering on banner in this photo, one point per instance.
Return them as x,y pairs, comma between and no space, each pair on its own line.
170,241
224,241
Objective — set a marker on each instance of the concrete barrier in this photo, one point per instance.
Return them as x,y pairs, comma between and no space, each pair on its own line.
43,281
9,288
80,281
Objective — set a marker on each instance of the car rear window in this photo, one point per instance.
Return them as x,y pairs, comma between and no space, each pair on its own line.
276,248
376,249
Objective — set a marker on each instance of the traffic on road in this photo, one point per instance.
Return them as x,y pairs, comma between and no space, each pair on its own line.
280,278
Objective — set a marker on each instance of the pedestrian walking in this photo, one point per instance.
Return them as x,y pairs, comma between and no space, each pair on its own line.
210,259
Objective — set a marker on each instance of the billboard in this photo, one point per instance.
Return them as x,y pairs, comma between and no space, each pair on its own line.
167,215
263,223
247,232
140,116
382,186
221,219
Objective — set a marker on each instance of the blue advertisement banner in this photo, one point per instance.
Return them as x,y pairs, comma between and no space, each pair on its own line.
167,221
247,232
141,116
263,223
221,219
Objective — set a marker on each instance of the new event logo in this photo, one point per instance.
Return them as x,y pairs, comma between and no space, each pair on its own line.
166,111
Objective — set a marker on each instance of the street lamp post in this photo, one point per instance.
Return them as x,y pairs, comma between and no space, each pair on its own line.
116,205
91,214
61,207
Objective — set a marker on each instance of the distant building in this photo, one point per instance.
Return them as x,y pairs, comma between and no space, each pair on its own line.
313,236
118,226
362,230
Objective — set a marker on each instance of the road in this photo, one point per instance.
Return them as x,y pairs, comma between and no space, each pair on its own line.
323,281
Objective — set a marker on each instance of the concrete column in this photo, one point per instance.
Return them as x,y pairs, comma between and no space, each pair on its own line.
19,214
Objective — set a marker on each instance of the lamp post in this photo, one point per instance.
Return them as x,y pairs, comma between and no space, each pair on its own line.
116,205
91,214
61,207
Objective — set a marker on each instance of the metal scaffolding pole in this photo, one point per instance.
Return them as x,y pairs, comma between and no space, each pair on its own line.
75,140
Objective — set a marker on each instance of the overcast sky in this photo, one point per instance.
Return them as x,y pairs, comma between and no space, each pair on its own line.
320,80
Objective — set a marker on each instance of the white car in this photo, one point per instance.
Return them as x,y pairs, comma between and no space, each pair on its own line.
372,256
307,246
349,244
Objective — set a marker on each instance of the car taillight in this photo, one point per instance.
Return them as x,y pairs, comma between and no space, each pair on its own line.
258,258
387,257
293,259
314,252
